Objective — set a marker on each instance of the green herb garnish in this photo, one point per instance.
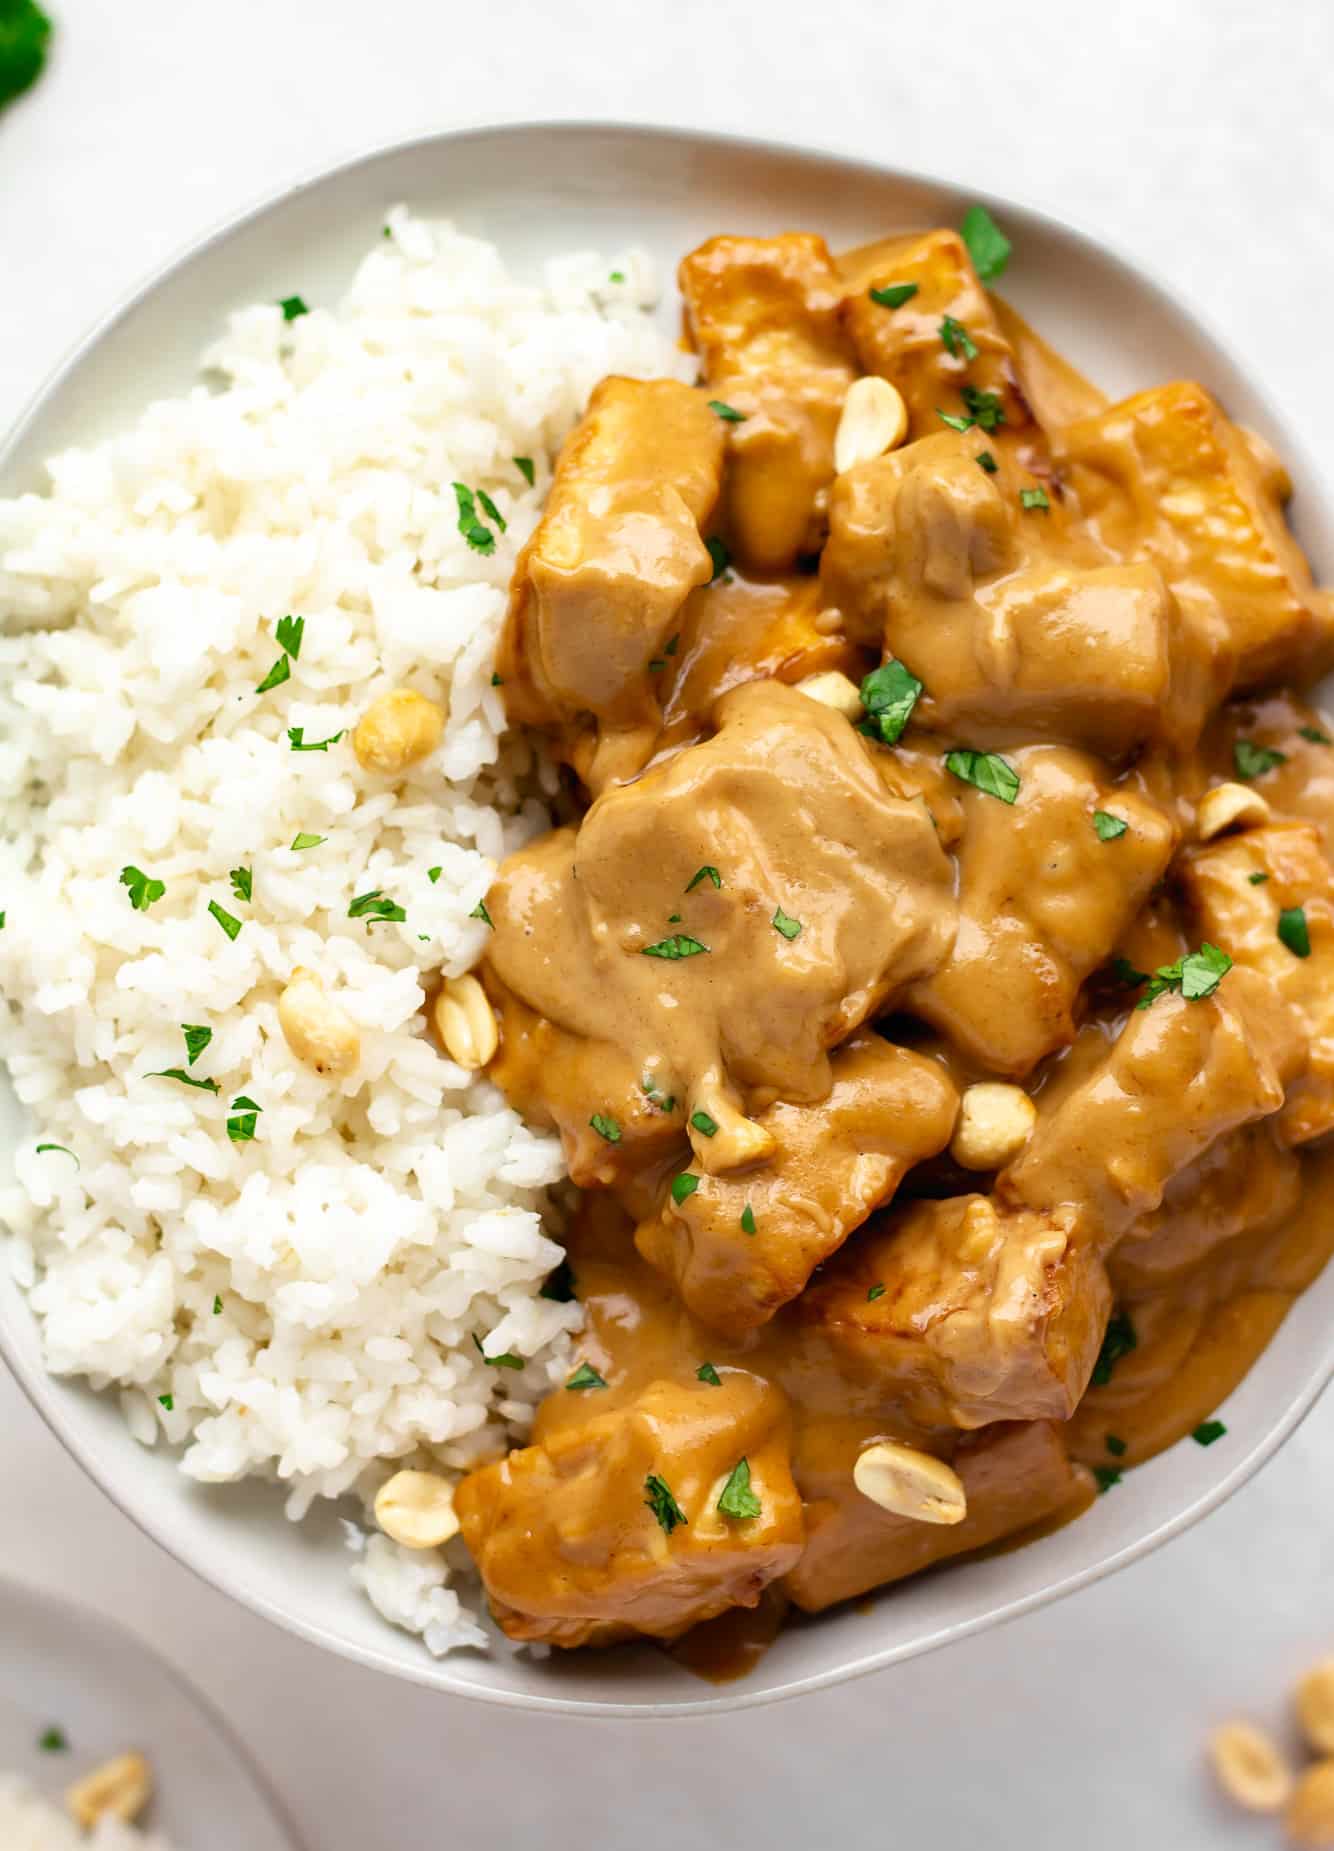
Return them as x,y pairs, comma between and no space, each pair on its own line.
893,295
558,1286
720,556
1033,498
186,1079
706,873
661,1502
241,1126
987,244
876,1291
24,32
986,409
307,841
606,1127
684,1185
491,511
1196,975
957,339
376,906
1115,1445
985,460
142,890
1316,737
217,1306
1294,932
889,694
586,1376
196,1040
292,307
1207,1432
243,882
478,535
506,1360
231,926
524,465
707,1373
1252,761
479,911
1106,1476
738,1500
987,771
728,413
748,1219
784,923
955,424
1108,827
167,1401
679,945
63,1148
53,1741
708,1127
277,675
296,736
1257,880
1118,1341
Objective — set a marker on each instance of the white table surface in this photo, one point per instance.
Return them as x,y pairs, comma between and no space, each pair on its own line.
1193,132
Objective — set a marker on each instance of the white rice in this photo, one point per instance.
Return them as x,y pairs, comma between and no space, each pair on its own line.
28,1822
304,1305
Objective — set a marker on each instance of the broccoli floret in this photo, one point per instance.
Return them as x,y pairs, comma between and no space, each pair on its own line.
24,32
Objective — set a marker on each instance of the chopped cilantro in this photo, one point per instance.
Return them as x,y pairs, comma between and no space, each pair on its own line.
1126,974
558,1286
606,1127
616,276
684,1185
243,882
479,912
230,925
586,1376
186,1079
707,1373
1115,1445
1108,827
63,1148
524,465
1033,498
728,413
1106,1476
167,1401
738,1500
376,906
1258,880
1207,1432
1196,975
985,460
292,307
987,244
748,1219
876,1291
720,556
987,771
142,890
784,923
955,424
289,632
53,1741
506,1360
706,873
957,339
217,1306
1252,761
986,409
893,295
307,841
708,1127
241,1126
1316,737
661,1502
1294,932
277,675
296,736
196,1040
889,694
491,511
1118,1341
679,945
24,32
478,535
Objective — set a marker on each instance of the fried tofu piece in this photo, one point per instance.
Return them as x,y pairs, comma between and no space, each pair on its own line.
729,916
961,1313
1013,625
1166,476
745,1243
764,316
609,1526
1243,1184
1043,901
1180,1075
598,589
904,344
1014,1477
1245,916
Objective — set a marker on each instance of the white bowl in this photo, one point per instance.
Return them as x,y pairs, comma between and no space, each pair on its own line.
538,190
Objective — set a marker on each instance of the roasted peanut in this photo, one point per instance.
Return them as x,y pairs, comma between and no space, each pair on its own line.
1309,1819
910,1483
1229,806
833,689
1314,1698
316,1029
396,730
417,1510
119,1789
874,419
465,1022
994,1124
1249,1767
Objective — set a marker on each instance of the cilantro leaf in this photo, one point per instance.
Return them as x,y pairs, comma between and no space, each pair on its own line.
196,1040
1252,761
1196,975
277,675
186,1079
241,1127
889,694
706,873
1108,827
1115,1445
1126,974
506,1360
661,1502
243,882
1316,737
53,1741
479,912
606,1127
524,465
1294,931
986,409
748,1219
292,307
955,424
706,1126
142,890
297,739
63,1148
1207,1432
679,945
586,1376
558,1286
893,295
728,413
306,841
24,32
986,461
720,556
874,1292
987,244
478,535
1033,498
289,631
987,771
374,905
230,925
492,512
1118,1341
707,1373
957,339
784,923
684,1185
738,1500
1106,1476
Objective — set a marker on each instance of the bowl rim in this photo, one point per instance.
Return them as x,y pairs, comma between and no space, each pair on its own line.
41,1388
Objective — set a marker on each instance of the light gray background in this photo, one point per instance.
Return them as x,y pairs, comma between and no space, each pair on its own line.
1197,135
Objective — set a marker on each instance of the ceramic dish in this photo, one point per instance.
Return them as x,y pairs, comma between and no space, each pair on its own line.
67,1669
537,191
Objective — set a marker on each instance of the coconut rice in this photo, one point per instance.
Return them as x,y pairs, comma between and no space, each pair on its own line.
28,1822
282,1274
